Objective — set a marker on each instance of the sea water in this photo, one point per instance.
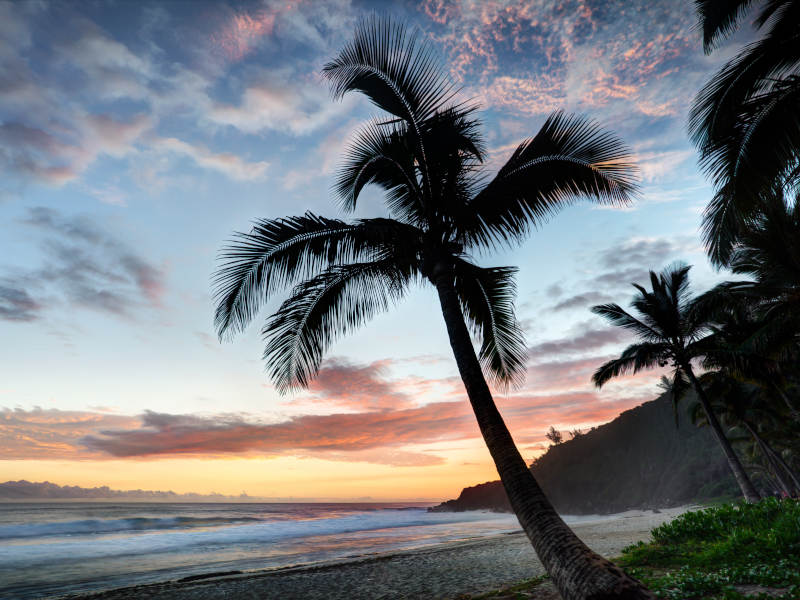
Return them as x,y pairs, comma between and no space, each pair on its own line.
51,549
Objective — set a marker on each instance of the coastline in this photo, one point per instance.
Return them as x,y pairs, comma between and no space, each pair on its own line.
442,571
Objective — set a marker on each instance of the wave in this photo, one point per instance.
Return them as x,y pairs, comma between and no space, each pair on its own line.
255,532
100,526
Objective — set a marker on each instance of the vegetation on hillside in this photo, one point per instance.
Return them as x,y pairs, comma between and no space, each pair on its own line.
646,461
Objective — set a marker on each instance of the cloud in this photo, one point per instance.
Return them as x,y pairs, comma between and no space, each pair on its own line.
583,300
590,339
16,304
650,253
627,62
389,436
337,435
84,265
654,166
280,101
87,95
51,433
227,163
347,385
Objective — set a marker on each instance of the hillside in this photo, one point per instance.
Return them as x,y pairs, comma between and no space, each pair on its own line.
638,460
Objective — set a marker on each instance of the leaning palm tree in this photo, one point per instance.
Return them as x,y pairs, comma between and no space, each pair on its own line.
672,334
745,120
426,155
749,407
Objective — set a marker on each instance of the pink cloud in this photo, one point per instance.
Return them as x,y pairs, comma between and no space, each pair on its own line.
344,384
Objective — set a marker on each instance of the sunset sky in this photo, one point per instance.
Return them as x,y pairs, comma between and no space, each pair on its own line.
135,137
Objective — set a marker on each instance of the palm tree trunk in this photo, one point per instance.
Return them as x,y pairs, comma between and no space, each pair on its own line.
789,404
773,464
577,572
776,460
785,465
748,490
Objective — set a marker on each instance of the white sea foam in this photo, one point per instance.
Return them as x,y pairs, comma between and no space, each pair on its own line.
149,536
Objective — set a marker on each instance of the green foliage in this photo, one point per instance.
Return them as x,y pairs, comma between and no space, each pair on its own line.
638,460
708,553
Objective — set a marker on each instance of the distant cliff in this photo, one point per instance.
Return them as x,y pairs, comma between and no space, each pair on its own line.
28,490
638,460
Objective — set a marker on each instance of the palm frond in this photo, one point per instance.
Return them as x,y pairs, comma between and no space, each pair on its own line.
323,308
722,224
279,252
619,317
487,300
719,19
633,359
382,155
392,68
571,158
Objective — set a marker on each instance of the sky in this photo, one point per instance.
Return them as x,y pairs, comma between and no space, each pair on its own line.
135,138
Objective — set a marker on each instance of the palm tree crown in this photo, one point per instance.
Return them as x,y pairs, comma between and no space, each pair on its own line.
670,331
426,156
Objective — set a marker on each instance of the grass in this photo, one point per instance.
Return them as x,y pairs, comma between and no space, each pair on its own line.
724,552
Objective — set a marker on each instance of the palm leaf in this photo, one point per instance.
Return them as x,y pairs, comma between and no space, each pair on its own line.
619,317
633,359
279,252
392,68
322,308
763,151
719,19
570,159
487,300
382,155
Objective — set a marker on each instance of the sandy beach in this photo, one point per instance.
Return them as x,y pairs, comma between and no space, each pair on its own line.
443,571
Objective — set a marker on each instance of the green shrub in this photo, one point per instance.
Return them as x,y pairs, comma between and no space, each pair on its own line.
705,553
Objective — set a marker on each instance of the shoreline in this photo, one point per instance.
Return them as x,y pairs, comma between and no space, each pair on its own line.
440,571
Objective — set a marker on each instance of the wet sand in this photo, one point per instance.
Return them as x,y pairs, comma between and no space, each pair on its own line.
443,571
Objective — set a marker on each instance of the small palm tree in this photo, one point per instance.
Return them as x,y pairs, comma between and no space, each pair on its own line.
745,120
672,334
426,155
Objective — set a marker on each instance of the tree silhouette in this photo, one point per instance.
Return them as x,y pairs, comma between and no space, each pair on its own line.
745,120
671,334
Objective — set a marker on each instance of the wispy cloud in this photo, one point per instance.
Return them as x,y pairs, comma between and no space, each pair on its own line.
84,266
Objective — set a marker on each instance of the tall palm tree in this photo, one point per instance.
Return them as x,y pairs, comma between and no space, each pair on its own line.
672,334
426,155
745,120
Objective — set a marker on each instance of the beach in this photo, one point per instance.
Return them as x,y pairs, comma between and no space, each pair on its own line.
441,571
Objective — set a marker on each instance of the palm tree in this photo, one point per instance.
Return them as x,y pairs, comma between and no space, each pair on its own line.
745,120
747,406
426,155
671,334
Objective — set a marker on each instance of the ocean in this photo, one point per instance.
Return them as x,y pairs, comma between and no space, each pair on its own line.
51,549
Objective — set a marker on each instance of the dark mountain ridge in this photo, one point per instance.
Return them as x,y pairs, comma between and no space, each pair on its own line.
638,460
